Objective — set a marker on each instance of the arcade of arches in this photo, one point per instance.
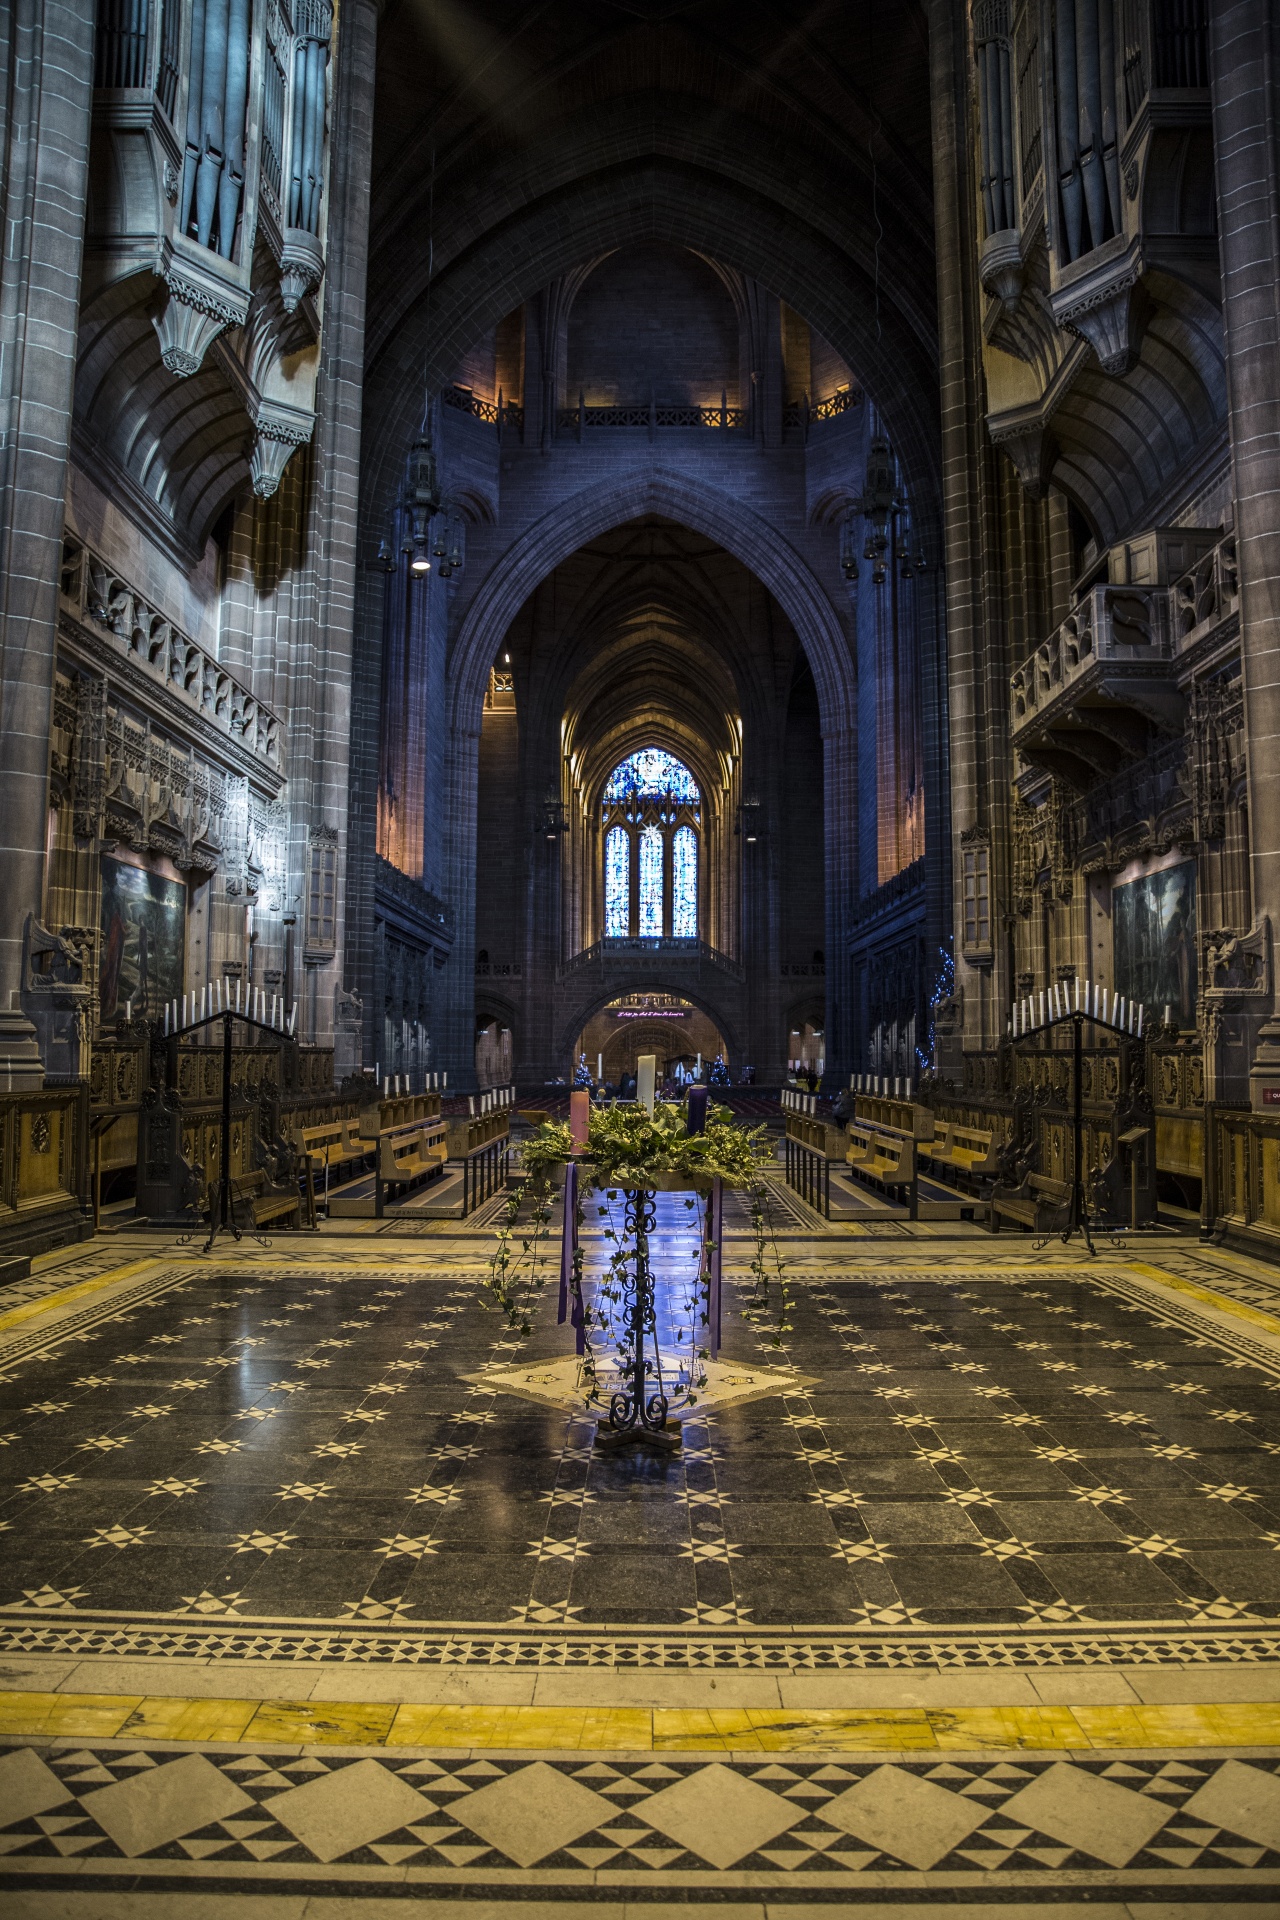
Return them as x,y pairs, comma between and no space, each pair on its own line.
538,536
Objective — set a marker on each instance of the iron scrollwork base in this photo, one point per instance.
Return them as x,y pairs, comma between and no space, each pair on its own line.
638,1411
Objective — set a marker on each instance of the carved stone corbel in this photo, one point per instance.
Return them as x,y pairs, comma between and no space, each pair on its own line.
276,436
190,319
301,267
1110,317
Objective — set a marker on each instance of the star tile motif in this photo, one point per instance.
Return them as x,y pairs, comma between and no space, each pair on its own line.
258,1542
116,1536
306,1490
49,1482
412,1546
1153,1545
176,1487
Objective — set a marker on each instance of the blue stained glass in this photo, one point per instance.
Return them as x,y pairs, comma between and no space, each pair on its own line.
651,881
651,772
684,884
617,884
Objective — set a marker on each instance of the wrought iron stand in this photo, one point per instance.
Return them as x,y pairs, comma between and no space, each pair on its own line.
638,1411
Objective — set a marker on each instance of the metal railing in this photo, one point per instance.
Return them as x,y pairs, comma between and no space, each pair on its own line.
497,413
96,594
582,419
640,950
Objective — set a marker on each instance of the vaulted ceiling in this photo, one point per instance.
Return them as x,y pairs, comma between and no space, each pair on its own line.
515,141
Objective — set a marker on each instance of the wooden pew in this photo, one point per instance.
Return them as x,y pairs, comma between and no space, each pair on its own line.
970,1152
257,1203
337,1147
411,1154
881,1155
1040,1203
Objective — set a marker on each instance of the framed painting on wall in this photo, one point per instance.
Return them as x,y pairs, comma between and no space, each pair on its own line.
1154,918
144,929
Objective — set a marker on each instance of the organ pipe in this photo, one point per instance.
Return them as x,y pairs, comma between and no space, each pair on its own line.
995,113
218,96
1088,163
307,146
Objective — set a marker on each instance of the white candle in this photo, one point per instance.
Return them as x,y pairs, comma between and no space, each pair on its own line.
646,1078
599,1067
128,1008
293,1018
166,1020
1141,1011
444,1079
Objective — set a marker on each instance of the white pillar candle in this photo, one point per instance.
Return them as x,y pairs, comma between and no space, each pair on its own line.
1141,1011
444,1079
646,1078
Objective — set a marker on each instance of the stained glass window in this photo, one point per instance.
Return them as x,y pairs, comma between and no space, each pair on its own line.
617,883
651,771
684,884
651,881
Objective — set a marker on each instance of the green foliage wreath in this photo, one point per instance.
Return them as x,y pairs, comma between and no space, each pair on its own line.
628,1148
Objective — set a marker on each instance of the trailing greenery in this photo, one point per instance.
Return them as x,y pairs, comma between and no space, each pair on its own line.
632,1150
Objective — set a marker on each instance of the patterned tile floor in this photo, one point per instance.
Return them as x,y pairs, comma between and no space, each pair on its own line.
1000,1594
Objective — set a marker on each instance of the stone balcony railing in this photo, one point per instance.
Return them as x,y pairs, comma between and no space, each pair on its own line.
1095,692
641,951
100,598
1092,694
1206,596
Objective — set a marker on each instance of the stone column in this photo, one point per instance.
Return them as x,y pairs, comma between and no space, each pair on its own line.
1245,61
46,94
320,688
977,644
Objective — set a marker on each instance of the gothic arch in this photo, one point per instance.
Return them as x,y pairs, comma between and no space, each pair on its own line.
746,535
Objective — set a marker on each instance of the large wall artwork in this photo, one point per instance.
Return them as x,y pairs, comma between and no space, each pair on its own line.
144,923
1154,919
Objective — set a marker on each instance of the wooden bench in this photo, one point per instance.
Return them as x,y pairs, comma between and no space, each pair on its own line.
1040,1203
257,1203
411,1154
888,1158
337,1147
968,1151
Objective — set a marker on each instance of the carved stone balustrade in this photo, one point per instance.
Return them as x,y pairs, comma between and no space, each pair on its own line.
1095,692
1206,598
95,594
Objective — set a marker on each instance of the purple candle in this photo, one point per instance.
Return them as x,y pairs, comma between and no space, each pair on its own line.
697,1120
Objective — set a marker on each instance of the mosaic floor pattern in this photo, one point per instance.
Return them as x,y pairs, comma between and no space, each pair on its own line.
1055,1483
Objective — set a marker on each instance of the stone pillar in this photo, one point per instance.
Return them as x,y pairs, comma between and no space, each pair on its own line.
840,850
977,643
1245,61
320,689
46,81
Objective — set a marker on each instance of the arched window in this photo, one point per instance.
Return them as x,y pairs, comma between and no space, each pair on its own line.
651,887
652,773
617,883
684,884
652,849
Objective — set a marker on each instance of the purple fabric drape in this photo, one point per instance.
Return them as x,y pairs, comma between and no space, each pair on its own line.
568,1248
715,1236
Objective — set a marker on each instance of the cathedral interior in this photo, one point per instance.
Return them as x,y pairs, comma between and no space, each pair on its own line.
548,550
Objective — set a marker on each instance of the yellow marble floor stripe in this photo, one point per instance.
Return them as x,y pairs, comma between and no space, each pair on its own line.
1239,1309
345,1723
51,1302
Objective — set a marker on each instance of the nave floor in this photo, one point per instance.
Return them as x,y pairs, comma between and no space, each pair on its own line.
975,1606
